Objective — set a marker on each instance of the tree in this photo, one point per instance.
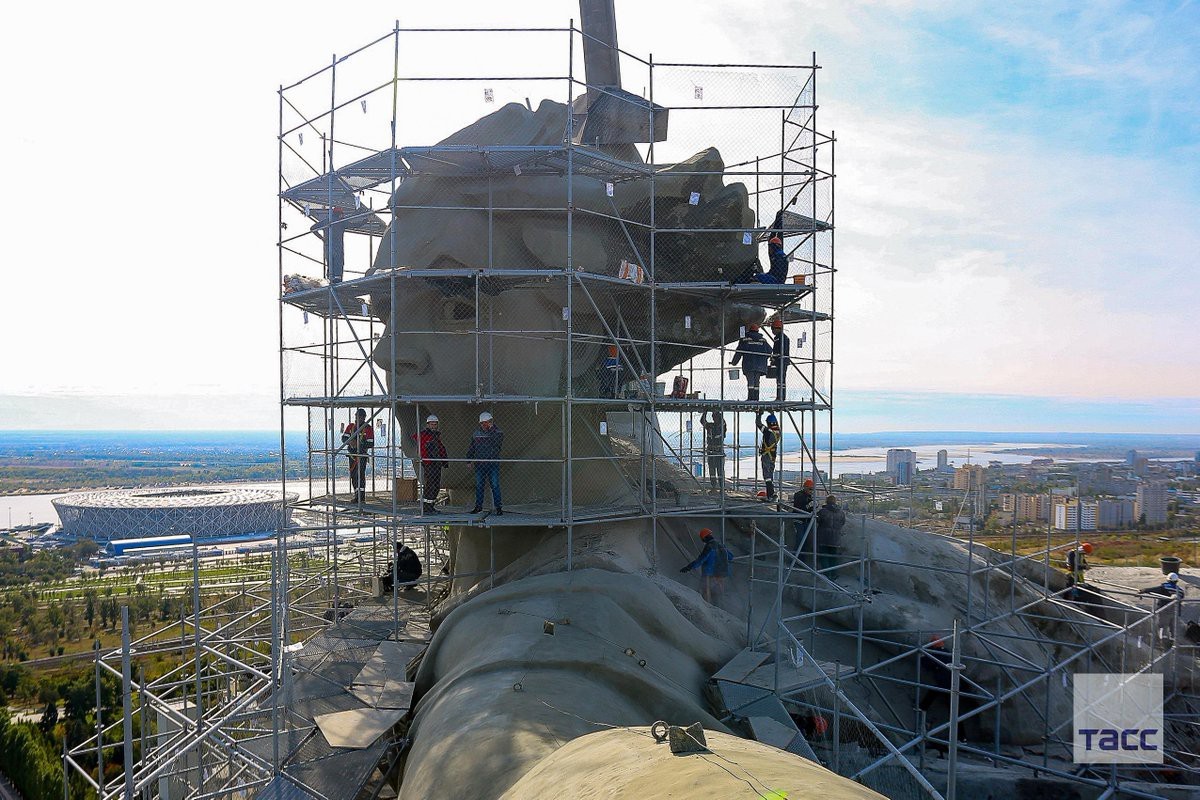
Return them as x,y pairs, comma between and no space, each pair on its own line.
89,610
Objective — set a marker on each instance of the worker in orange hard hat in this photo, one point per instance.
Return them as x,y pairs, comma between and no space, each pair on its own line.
715,563
1076,566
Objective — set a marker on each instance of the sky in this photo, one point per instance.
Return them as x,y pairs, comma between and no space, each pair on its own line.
1018,200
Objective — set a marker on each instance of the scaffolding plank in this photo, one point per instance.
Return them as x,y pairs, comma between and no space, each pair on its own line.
741,665
357,728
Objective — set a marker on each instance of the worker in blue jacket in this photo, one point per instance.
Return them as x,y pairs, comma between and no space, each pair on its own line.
777,255
484,455
715,563
754,352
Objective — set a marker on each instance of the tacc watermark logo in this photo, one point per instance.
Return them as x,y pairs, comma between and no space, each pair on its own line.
1118,719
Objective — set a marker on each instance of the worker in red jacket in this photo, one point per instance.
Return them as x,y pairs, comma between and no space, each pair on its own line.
359,438
433,461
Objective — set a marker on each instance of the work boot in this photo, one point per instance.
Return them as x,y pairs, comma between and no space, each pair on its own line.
752,394
770,491
499,511
476,509
428,508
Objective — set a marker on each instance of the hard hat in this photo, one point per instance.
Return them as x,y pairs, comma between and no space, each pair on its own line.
1174,576
753,326
937,641
762,493
705,533
776,240
772,420
431,418
612,349
485,416
777,322
1087,547
820,725
808,484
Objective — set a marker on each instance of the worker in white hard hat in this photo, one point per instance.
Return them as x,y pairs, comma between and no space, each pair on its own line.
484,455
433,461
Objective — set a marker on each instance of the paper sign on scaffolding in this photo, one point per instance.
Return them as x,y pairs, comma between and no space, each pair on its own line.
608,189
631,272
694,199
488,97
747,238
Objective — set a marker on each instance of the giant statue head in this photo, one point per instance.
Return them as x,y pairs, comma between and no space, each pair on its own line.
505,335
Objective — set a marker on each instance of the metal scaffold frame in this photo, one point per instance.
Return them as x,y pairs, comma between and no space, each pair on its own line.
234,715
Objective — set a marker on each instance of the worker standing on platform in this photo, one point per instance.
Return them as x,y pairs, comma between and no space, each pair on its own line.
1076,566
830,521
767,450
610,373
781,351
802,500
331,230
433,461
714,447
715,563
359,438
753,353
484,455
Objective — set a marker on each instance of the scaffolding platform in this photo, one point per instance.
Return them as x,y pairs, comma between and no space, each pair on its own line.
700,503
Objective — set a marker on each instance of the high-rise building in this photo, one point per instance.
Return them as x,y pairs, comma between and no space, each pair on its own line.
897,456
1131,458
1151,504
943,459
904,473
1075,515
970,476
1114,513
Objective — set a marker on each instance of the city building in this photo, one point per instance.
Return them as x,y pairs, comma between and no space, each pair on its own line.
897,456
970,476
1150,506
1131,458
1075,515
943,459
904,473
1114,513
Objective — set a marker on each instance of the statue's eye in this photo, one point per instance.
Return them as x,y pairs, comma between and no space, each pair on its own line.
455,310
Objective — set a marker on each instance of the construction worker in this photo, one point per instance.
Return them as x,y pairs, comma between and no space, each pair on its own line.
610,373
781,349
359,438
1076,566
714,447
484,455
830,521
433,461
767,449
802,500
715,563
753,352
331,230
1167,592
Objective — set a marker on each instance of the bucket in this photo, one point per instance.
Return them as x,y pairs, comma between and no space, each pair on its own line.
798,279
1170,564
734,374
660,388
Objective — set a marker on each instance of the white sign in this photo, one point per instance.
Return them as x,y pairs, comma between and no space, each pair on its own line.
747,238
488,97
608,189
699,93
1118,718
694,199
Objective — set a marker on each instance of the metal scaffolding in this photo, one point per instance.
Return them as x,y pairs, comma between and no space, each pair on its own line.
583,274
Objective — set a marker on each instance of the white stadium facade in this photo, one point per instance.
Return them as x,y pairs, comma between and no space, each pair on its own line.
202,513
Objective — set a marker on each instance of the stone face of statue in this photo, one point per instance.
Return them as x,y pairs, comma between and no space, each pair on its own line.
458,218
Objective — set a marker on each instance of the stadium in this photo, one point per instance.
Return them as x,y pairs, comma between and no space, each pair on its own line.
204,513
